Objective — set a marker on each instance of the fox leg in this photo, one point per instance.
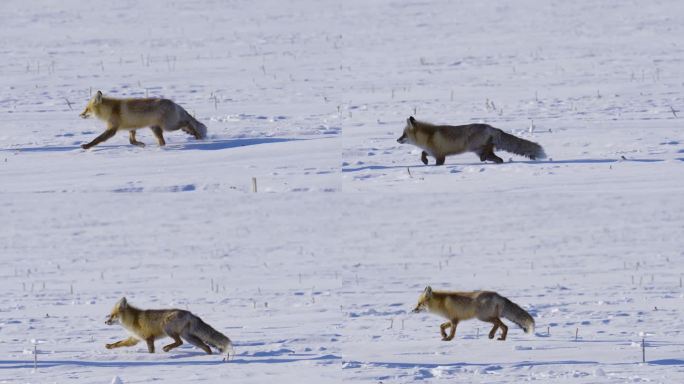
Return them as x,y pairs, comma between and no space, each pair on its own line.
194,131
158,133
131,341
498,324
504,329
440,160
483,152
196,341
442,329
452,333
132,140
486,152
423,157
492,333
491,156
189,128
106,135
177,342
150,344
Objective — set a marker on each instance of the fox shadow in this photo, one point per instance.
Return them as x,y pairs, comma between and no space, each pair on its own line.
531,162
173,360
216,145
588,161
379,167
408,365
568,161
206,145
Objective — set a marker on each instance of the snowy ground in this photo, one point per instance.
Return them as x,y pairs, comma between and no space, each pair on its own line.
605,265
310,97
266,91
593,84
241,263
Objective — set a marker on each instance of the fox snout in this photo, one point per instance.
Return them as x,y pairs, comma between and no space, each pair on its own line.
110,320
402,139
84,115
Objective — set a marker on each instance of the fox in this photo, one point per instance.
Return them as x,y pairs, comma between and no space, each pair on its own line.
153,324
484,305
440,141
132,114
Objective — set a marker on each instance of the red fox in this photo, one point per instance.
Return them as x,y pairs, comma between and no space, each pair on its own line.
131,114
153,324
440,141
484,305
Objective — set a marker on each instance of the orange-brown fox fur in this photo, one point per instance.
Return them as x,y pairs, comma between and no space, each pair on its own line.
130,114
483,305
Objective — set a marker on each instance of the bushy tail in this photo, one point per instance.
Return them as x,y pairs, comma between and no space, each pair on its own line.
196,128
214,338
509,143
519,316
200,128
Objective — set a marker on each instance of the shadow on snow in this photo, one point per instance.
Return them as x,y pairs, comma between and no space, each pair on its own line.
356,364
216,145
207,145
17,364
575,161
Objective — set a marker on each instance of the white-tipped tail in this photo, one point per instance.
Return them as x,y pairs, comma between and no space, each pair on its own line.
529,329
201,129
510,143
519,316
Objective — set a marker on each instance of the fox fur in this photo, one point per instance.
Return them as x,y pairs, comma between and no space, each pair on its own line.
153,324
440,141
483,305
131,114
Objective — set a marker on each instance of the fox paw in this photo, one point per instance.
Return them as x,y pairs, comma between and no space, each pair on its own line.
166,348
109,346
84,146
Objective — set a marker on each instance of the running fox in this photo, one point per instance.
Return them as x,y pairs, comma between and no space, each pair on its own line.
440,141
484,305
152,324
130,114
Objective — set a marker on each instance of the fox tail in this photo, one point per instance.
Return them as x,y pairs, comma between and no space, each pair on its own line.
194,127
519,316
509,143
214,338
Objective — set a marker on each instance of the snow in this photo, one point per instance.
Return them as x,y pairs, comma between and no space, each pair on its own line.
313,276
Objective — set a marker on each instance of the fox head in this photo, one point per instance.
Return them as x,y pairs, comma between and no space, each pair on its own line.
91,108
115,316
424,301
409,132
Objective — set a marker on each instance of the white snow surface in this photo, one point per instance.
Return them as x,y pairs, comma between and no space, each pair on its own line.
313,277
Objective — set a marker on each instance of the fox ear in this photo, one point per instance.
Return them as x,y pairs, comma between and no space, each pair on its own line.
412,120
428,292
98,97
123,303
